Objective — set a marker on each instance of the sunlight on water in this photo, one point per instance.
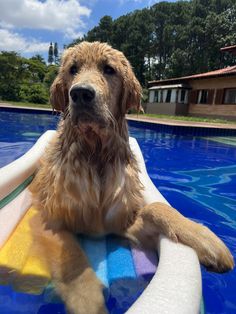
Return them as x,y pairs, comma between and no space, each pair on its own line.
196,175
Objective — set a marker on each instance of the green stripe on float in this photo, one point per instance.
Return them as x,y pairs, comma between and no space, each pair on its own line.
7,199
202,306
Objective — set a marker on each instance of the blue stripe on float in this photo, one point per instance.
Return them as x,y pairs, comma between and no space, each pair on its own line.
119,259
96,251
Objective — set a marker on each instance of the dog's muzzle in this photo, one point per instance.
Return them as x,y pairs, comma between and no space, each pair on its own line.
83,95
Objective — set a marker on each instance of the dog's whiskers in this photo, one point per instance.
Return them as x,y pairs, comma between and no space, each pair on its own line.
66,113
112,120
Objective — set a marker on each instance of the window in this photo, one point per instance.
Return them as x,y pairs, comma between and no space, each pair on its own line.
157,96
168,95
230,96
203,96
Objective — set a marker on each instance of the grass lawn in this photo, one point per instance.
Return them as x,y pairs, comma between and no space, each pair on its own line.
26,104
182,118
186,118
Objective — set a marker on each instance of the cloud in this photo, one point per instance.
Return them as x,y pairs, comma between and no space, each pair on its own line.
146,2
11,41
65,16
71,33
151,2
122,2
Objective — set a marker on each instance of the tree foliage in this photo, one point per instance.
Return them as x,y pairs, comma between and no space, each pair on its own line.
172,39
12,71
24,79
50,54
55,53
169,39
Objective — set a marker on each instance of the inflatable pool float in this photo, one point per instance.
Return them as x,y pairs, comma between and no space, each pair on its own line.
134,280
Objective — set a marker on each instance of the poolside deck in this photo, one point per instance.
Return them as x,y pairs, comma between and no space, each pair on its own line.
7,105
172,122
163,121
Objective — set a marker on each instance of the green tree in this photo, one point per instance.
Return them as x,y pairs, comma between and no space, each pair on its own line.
38,94
137,48
55,53
172,38
52,71
38,58
50,54
22,79
13,72
36,69
105,29
102,32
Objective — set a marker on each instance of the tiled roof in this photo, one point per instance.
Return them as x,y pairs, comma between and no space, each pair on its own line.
228,48
220,72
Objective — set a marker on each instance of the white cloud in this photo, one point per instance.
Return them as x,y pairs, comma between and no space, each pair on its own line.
55,15
10,41
146,2
151,2
71,33
122,2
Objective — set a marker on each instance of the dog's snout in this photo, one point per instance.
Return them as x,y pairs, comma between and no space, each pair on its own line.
82,94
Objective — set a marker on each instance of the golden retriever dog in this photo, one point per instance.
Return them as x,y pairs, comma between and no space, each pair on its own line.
88,182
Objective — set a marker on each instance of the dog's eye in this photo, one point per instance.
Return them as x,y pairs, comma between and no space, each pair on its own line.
73,69
108,70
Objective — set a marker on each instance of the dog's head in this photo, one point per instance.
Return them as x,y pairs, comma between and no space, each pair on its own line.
96,85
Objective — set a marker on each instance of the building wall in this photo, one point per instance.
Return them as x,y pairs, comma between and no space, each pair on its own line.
161,108
227,111
182,109
175,106
214,83
215,109
214,106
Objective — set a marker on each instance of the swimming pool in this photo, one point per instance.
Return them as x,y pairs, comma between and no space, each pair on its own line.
197,175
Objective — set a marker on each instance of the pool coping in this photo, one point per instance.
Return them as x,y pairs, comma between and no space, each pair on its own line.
171,122
142,119
8,106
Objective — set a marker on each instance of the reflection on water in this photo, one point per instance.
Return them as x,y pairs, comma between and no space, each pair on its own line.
198,177
207,186
19,131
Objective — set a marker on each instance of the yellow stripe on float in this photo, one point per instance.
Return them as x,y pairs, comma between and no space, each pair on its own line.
14,253
33,278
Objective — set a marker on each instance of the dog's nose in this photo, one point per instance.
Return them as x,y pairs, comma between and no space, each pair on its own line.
82,94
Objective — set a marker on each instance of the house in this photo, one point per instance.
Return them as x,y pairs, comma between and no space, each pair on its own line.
206,94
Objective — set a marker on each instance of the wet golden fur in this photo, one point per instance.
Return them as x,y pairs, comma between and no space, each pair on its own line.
88,182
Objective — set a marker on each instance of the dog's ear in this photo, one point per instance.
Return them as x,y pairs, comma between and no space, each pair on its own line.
132,91
58,95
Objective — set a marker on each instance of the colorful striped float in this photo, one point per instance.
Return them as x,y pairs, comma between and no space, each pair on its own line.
134,280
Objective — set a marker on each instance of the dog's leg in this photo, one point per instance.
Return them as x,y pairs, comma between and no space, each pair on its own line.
74,279
159,218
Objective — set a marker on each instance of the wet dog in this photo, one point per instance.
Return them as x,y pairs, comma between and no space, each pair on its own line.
88,181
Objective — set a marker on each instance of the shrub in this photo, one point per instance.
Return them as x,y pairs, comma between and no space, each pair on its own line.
35,93
38,94
50,75
24,92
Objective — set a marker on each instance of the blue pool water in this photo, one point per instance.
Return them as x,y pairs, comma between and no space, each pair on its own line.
195,174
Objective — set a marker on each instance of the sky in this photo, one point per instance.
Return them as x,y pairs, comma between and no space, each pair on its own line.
28,26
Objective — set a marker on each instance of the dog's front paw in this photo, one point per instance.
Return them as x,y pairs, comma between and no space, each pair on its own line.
211,251
84,295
